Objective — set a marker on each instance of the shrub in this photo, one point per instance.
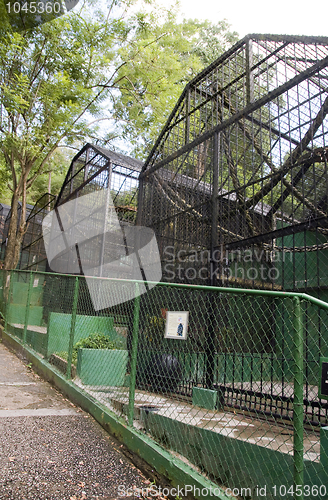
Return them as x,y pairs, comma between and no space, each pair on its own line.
97,341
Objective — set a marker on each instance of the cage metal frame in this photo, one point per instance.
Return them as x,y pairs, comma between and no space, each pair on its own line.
242,160
237,181
93,169
33,254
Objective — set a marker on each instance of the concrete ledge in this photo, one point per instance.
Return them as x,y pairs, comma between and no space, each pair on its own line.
166,464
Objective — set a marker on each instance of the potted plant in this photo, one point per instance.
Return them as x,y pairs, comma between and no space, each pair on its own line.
101,360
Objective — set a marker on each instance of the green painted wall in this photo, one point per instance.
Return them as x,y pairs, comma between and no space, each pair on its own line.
20,292
299,270
17,312
59,327
231,461
37,340
102,366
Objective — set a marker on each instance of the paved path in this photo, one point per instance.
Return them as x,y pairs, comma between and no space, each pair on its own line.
52,450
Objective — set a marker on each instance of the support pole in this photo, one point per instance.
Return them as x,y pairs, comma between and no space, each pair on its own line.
140,200
27,310
134,350
210,355
298,400
187,125
72,330
249,73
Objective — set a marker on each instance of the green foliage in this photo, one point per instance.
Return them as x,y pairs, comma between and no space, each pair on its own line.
56,168
60,81
154,331
97,341
169,55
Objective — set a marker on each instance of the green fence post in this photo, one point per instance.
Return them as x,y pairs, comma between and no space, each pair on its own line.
134,348
72,330
298,401
8,297
27,310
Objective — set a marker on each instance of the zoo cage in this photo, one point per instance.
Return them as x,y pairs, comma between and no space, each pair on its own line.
237,180
95,168
33,254
236,191
92,169
5,225
4,209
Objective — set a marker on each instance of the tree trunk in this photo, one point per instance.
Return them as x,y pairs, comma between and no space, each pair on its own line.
12,232
15,233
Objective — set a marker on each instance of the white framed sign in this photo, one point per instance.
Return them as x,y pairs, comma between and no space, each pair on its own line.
176,325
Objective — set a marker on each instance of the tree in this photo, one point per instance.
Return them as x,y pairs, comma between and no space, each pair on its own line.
154,85
52,178
57,78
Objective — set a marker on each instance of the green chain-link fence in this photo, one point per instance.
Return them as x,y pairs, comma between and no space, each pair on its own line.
228,379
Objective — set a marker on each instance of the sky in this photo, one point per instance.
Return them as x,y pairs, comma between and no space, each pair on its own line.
258,16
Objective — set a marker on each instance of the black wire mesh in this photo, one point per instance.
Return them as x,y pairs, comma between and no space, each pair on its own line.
4,209
5,230
33,254
236,184
95,168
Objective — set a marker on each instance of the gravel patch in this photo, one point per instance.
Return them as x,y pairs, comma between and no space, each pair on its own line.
63,458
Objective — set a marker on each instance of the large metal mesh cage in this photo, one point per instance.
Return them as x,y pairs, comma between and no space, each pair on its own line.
33,254
236,185
95,168
5,225
95,171
4,209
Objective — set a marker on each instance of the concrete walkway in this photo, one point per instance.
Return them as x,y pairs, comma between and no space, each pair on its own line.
52,450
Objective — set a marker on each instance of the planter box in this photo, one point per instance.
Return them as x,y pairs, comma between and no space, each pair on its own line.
59,327
102,366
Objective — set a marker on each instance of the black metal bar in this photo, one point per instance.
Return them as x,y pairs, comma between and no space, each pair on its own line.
249,72
250,108
81,186
311,224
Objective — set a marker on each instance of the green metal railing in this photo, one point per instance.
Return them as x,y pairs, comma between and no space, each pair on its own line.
238,397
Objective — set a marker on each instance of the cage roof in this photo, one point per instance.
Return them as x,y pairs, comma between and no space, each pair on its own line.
259,54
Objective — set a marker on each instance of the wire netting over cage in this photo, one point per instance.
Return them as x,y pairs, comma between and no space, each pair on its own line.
6,224
33,254
95,168
236,185
4,209
111,181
